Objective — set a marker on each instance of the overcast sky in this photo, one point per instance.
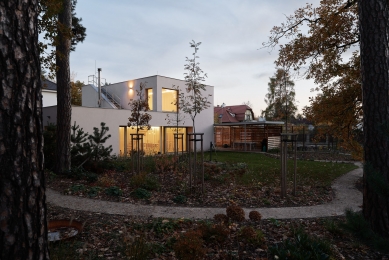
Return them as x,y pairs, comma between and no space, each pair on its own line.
131,39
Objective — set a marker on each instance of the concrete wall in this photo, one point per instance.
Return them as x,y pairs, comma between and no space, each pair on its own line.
90,96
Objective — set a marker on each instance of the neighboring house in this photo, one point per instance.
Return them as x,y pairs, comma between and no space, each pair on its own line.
233,114
49,93
114,111
235,127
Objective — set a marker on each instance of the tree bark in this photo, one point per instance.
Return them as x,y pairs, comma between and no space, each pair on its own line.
374,35
23,228
64,107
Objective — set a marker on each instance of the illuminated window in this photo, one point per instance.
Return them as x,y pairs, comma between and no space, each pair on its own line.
170,142
151,140
169,100
149,94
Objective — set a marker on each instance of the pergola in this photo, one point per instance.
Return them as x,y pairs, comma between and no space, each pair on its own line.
250,135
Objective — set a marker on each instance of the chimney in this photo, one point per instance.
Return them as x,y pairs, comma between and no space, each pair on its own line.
99,86
220,118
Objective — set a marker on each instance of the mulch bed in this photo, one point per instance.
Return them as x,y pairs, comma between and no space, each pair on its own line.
112,236
220,188
217,193
107,237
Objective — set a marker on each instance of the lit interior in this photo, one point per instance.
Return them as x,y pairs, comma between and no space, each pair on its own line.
149,93
169,97
151,140
169,139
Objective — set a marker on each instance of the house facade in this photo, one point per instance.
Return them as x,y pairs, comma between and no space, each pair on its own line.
112,108
236,128
49,93
233,114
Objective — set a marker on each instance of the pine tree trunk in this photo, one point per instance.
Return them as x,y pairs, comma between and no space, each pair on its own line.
64,107
374,35
23,228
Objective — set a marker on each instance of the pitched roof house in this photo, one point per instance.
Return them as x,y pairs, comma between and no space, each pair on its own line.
49,93
233,114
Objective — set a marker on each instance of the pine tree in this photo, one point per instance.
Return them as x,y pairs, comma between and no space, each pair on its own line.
80,148
280,98
97,141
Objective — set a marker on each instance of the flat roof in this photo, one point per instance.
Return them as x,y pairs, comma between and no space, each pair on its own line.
252,123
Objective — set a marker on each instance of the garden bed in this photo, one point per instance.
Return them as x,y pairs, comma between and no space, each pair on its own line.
250,180
122,237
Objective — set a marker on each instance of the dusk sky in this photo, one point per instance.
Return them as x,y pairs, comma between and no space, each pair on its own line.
131,39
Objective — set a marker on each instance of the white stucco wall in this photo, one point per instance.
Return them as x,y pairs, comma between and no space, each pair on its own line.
90,97
89,115
49,98
87,118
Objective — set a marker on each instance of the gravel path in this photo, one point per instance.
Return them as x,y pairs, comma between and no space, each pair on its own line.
346,196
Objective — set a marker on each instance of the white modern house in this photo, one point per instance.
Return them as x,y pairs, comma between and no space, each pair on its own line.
111,106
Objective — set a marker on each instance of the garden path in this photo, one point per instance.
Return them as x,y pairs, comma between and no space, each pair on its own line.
346,196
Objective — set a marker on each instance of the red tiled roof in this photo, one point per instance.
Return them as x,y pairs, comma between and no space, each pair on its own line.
231,114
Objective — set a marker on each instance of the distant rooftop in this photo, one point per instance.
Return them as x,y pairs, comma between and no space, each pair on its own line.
49,85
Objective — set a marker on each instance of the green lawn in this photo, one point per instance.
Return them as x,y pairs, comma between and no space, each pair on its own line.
267,170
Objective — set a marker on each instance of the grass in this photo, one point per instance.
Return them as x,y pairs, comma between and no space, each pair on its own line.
264,169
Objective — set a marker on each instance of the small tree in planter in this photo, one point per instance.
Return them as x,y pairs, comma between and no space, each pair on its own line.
192,104
176,118
138,120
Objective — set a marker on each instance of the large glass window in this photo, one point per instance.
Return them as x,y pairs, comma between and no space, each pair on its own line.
169,100
151,140
149,94
170,142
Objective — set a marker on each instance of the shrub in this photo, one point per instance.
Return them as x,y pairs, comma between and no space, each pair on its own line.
302,246
162,226
93,191
91,177
164,163
180,199
359,227
145,181
235,213
255,215
217,232
221,218
190,246
136,248
79,173
212,169
141,193
114,191
254,237
106,181
333,227
78,187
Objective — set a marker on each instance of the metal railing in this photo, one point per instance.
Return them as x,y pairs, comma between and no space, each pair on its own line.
113,98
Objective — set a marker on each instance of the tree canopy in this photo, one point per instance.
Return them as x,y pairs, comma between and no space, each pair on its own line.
193,103
280,99
323,46
329,49
49,27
